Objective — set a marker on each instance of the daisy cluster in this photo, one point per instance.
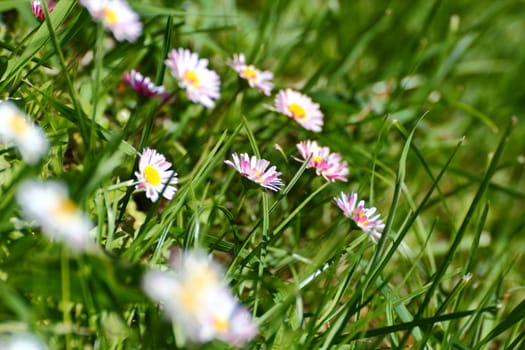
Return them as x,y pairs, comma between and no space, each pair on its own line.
193,289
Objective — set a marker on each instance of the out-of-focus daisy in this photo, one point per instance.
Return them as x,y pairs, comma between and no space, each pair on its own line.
22,342
38,11
17,128
255,170
261,80
48,204
201,84
196,297
155,176
363,217
144,86
117,16
300,108
328,165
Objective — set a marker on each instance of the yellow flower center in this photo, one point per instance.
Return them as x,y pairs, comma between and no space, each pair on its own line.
110,17
221,325
152,175
249,73
191,78
65,207
317,159
19,125
361,216
190,299
297,111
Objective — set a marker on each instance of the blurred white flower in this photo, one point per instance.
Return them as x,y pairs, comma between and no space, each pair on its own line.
117,16
17,128
22,342
48,204
196,297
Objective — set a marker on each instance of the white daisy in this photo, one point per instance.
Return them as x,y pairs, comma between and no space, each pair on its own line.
261,80
17,128
154,175
117,16
197,299
48,204
201,84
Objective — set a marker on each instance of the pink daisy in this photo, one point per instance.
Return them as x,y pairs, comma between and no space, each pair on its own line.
328,165
255,170
38,11
154,175
300,108
261,80
201,84
144,85
363,217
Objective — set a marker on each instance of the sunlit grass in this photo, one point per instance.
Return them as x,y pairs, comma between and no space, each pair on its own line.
421,99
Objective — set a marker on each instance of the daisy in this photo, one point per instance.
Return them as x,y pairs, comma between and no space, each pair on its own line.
17,128
49,206
363,217
256,78
196,297
201,84
300,108
255,170
144,85
38,11
117,16
22,342
154,175
328,165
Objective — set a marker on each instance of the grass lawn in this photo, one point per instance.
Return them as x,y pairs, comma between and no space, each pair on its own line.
262,174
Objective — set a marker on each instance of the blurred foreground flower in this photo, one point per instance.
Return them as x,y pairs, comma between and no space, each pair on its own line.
201,84
255,170
196,297
17,128
117,16
48,204
328,165
362,216
300,108
256,78
22,342
144,86
38,11
154,175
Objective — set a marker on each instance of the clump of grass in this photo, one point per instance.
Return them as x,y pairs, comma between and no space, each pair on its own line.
413,105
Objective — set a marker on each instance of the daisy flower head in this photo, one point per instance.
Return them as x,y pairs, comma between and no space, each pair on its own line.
49,206
17,128
22,341
363,217
255,169
117,16
300,108
261,80
326,164
144,86
38,10
196,297
155,176
201,84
